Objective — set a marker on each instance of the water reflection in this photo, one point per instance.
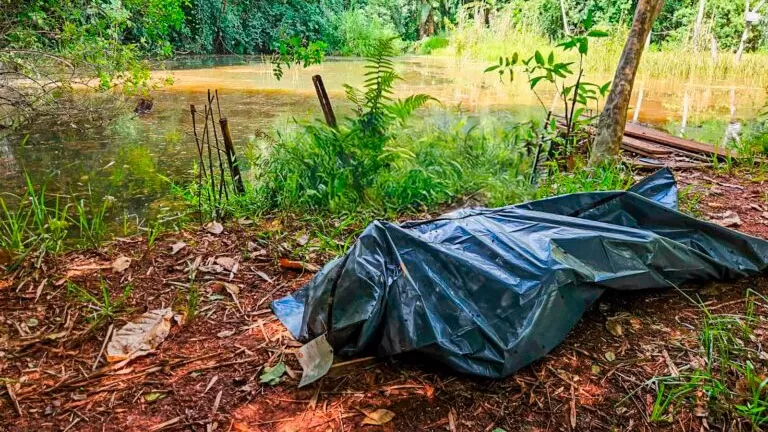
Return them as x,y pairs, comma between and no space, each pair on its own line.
134,158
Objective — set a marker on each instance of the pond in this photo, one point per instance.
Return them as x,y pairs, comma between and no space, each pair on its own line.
134,159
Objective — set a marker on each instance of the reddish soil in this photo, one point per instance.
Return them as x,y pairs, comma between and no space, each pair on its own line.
205,375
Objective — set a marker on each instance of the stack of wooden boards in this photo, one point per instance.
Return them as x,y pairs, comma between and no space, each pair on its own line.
657,148
652,143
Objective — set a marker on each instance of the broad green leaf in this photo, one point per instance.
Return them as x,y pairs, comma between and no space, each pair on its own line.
539,58
583,46
588,20
597,33
535,80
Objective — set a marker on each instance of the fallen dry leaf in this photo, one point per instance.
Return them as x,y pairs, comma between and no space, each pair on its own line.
298,265
264,276
176,247
226,262
727,219
377,417
214,228
140,336
231,288
614,327
120,264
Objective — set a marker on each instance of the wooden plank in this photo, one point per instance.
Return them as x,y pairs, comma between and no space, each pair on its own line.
637,151
668,164
645,133
647,148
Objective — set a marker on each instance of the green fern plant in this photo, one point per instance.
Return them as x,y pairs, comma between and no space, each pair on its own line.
376,110
334,167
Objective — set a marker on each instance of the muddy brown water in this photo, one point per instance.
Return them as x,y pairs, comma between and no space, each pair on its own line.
134,159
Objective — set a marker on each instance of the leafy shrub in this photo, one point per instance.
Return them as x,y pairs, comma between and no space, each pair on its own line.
331,168
360,29
432,43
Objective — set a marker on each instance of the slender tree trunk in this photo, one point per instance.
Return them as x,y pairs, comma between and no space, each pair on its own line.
422,21
747,27
697,25
743,43
565,18
610,128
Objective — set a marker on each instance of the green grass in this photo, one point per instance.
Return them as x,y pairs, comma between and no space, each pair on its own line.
32,221
729,383
102,308
91,221
690,200
469,40
40,223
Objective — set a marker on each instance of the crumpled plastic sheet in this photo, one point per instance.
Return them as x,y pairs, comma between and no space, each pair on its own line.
488,291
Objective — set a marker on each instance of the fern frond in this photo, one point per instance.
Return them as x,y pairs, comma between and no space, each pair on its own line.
404,108
354,96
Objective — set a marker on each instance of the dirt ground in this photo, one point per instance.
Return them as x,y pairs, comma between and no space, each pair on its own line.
205,375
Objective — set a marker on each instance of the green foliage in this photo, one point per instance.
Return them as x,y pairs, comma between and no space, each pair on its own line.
331,168
581,179
255,26
433,43
154,24
294,52
360,29
91,221
102,308
728,382
272,375
575,98
33,222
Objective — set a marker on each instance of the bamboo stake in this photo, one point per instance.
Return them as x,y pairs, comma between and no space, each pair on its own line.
229,150
201,171
207,139
222,178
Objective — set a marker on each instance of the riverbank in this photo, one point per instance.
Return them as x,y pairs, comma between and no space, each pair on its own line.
57,315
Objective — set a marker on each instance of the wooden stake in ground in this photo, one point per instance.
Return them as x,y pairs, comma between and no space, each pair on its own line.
229,149
325,102
610,128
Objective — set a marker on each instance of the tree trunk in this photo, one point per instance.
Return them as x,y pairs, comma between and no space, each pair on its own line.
610,128
422,20
697,25
565,18
743,43
747,27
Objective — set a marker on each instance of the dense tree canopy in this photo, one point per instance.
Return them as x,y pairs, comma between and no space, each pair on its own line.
164,27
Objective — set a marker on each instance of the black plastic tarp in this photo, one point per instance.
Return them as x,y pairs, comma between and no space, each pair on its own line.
488,291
